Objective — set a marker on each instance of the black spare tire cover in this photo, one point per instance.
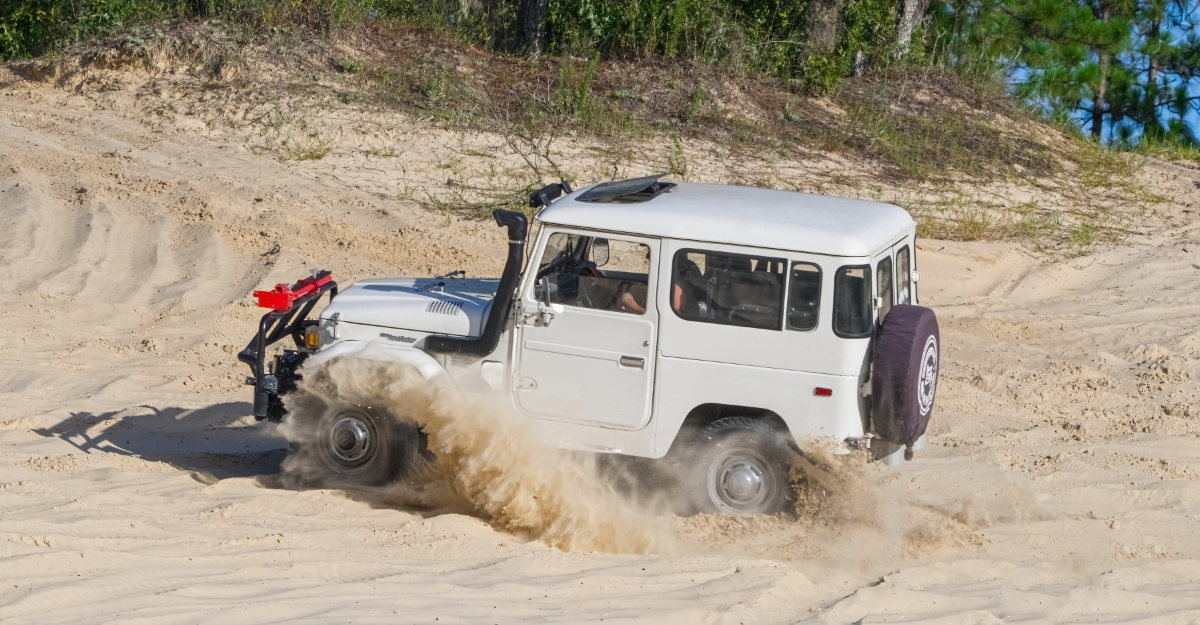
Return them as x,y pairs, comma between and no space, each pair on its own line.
906,370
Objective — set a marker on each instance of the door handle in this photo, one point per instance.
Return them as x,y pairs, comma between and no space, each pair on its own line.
630,361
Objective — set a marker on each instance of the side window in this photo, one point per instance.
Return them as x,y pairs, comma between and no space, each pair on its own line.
730,289
560,247
852,301
883,274
804,297
903,277
596,273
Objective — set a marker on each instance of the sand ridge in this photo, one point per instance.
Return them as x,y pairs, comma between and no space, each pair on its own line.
1060,483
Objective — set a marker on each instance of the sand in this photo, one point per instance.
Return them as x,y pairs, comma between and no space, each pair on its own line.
1060,483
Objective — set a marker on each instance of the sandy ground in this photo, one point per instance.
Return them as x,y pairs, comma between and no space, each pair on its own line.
1060,484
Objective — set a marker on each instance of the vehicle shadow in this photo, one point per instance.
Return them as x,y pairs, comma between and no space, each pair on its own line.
217,442
213,442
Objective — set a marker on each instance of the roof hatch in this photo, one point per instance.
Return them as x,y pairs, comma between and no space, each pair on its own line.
626,191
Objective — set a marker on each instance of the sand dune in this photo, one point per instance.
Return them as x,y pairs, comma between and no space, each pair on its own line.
1060,484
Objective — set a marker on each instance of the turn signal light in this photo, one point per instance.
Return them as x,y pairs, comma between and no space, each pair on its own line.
823,392
312,337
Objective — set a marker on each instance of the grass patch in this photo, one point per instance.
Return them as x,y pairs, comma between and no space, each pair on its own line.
382,151
924,128
306,148
1163,148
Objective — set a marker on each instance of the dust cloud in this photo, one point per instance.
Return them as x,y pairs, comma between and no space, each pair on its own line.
488,460
491,463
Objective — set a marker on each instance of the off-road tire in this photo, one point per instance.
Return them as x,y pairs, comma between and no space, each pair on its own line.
360,446
738,466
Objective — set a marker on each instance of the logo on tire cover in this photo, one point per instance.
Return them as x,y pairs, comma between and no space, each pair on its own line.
927,378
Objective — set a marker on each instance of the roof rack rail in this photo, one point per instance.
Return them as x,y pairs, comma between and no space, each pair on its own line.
626,191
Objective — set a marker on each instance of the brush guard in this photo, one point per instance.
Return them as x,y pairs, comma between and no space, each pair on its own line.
290,306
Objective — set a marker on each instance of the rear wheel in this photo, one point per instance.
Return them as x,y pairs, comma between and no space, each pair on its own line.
739,466
363,446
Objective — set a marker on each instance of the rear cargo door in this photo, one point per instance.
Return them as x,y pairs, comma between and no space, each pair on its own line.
593,363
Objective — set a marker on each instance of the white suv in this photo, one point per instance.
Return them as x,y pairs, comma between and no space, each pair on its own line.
724,327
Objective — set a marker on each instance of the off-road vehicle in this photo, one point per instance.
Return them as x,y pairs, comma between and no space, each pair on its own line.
723,327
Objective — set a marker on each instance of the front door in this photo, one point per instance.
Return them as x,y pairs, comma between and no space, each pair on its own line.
593,362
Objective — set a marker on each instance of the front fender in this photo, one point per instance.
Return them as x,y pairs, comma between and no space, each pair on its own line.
429,368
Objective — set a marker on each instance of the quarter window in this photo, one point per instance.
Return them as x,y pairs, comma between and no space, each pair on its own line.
730,289
852,301
804,297
903,277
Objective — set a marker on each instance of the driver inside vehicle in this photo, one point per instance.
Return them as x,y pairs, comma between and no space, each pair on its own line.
572,263
625,296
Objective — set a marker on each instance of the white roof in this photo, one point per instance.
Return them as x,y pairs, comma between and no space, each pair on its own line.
714,213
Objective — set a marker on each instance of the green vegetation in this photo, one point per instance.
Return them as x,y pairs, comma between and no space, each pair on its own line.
927,97
1123,68
1122,61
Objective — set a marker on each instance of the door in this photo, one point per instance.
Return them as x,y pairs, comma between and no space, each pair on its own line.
590,359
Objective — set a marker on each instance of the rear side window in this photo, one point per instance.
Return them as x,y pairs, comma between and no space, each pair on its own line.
883,276
852,301
730,289
903,277
804,297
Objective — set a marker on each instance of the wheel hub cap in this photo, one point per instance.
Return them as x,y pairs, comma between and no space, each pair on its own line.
742,481
738,483
349,439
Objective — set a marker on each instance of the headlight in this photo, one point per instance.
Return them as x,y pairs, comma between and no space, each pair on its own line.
312,337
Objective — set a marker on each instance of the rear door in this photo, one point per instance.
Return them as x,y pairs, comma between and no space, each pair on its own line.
593,363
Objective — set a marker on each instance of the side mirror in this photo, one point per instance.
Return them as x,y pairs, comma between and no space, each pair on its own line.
600,252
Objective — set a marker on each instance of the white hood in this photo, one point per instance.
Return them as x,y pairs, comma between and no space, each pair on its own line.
459,308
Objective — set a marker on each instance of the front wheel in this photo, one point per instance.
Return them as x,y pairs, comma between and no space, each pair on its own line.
362,446
739,466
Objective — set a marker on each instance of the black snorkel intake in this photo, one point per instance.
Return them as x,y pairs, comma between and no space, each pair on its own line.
518,226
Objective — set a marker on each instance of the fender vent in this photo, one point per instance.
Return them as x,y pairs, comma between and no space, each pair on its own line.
444,307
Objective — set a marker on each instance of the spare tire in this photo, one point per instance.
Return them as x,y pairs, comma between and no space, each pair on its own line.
904,381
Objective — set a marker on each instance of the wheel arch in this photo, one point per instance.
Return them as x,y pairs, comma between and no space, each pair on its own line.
426,365
706,414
